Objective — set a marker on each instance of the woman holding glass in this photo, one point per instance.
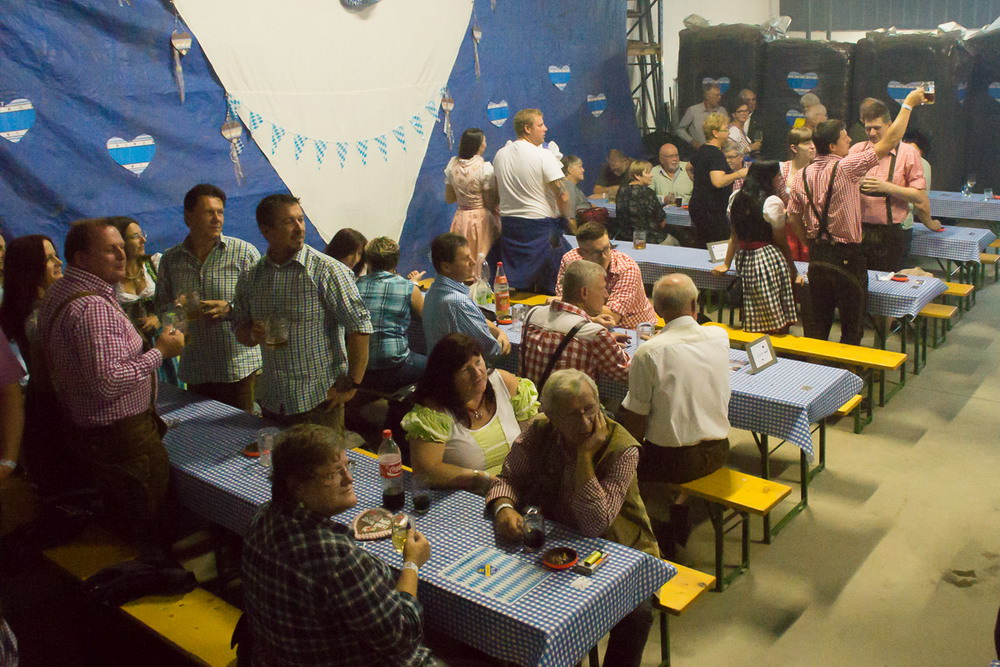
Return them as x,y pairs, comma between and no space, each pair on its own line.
466,416
760,248
736,132
713,183
135,293
639,209
469,181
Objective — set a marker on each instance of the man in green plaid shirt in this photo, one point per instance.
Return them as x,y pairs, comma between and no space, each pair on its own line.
308,376
214,364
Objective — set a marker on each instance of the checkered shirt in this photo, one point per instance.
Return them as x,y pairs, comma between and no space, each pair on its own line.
448,308
908,172
211,353
624,283
315,598
388,298
593,349
591,508
844,221
94,353
318,297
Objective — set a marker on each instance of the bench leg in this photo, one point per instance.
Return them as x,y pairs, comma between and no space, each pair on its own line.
719,520
664,639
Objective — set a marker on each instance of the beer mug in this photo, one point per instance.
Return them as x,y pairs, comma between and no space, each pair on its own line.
928,87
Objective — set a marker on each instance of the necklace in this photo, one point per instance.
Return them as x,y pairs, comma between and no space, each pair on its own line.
475,411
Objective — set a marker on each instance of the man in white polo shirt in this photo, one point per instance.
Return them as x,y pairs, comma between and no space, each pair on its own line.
534,206
678,405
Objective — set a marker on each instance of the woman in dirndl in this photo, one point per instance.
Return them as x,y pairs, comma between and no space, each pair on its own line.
760,248
469,180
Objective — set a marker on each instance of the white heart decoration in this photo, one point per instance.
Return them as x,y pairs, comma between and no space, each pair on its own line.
134,155
898,91
803,82
722,82
597,104
498,112
16,118
559,76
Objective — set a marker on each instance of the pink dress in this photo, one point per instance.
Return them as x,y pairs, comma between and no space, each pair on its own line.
469,179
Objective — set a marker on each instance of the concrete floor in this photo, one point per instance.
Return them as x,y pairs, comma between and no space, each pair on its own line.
865,576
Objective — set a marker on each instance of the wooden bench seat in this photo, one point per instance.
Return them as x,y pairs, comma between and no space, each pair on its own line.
198,624
850,406
743,495
674,597
934,313
986,259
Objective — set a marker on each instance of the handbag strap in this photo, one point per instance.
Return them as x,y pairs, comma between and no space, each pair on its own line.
823,218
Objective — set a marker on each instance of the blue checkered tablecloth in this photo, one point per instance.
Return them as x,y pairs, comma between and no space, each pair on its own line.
555,623
889,298
678,217
780,401
959,244
957,205
656,261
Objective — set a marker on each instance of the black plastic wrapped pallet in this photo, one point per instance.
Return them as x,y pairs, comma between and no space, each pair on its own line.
733,52
983,104
792,68
903,59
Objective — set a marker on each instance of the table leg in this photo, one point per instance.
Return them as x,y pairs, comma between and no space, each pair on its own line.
771,531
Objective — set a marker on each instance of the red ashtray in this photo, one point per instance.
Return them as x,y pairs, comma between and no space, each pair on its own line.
900,279
560,558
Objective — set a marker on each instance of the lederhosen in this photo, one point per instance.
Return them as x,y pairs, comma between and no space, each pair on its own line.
883,245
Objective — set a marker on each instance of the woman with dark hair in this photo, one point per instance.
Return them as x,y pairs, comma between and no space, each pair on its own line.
347,246
763,260
32,267
313,597
466,417
135,293
469,180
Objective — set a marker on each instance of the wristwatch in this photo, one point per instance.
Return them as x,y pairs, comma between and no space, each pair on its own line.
410,565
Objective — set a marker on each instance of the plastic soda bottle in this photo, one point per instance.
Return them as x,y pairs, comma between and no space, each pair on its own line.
390,469
501,291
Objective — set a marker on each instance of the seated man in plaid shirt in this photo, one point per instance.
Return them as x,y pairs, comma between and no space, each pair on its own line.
627,304
592,348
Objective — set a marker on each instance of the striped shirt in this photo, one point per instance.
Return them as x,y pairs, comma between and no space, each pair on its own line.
318,297
94,353
844,220
593,349
212,353
388,297
626,293
448,308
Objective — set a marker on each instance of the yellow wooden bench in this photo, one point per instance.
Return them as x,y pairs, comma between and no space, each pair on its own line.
934,313
425,284
198,624
963,293
529,298
743,495
871,364
986,258
674,597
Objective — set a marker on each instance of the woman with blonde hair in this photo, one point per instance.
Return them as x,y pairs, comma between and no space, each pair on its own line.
713,183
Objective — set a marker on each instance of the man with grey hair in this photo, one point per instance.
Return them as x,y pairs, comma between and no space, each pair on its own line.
579,467
678,403
814,115
588,346
692,125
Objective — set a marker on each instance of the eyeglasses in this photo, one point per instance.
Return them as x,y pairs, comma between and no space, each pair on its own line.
596,252
337,474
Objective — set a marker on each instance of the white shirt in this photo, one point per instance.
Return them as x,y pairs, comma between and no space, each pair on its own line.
523,172
679,379
773,210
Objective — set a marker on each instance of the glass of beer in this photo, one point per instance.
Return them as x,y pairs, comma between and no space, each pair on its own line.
191,303
276,332
928,87
678,202
639,239
400,526
265,443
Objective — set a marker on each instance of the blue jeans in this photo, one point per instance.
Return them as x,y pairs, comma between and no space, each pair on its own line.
388,380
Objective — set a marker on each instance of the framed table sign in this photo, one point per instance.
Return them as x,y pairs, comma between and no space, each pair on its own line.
761,354
717,251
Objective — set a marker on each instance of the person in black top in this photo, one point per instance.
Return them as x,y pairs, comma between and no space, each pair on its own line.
639,209
763,259
713,183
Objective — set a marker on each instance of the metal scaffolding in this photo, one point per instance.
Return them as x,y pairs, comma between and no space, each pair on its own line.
645,50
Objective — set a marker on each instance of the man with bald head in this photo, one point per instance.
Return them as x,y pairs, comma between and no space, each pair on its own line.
670,177
678,404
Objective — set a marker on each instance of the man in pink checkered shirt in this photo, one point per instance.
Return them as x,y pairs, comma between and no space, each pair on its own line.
106,382
627,304
828,218
593,349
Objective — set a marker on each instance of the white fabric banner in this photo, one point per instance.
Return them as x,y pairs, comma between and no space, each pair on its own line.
342,102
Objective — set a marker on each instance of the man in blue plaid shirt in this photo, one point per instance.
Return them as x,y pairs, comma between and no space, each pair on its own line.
308,376
213,364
